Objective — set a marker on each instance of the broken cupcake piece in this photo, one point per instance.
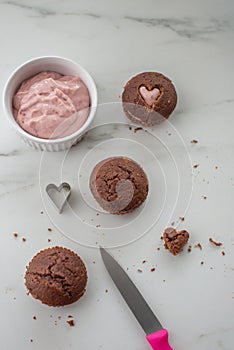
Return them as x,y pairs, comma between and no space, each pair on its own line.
175,240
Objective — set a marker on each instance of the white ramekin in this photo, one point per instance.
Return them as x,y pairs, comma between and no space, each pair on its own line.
37,65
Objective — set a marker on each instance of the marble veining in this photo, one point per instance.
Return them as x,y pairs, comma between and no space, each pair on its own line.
190,28
10,154
15,190
39,10
45,12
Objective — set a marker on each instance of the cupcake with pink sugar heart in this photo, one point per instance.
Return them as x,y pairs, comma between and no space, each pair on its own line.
149,98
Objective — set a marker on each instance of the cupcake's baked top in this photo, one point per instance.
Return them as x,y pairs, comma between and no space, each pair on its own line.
56,276
149,98
175,240
50,105
119,185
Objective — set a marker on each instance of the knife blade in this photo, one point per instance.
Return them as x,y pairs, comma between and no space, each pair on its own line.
156,335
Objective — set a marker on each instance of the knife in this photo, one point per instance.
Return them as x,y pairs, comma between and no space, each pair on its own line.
156,335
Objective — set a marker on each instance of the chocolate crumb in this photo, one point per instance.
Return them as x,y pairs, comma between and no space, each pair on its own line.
59,317
198,245
97,214
216,167
34,317
189,249
98,225
153,269
202,262
23,239
106,290
173,223
70,316
217,244
204,197
137,129
139,270
49,229
158,248
31,340
42,212
181,218
130,128
194,141
15,235
196,166
223,252
71,323
161,237
49,240
144,261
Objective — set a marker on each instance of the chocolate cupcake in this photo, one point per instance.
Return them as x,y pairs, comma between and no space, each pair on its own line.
149,98
119,185
56,276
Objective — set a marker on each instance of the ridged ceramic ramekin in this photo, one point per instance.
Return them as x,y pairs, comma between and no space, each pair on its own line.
48,63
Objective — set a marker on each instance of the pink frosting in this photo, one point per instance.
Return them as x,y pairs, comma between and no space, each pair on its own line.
50,105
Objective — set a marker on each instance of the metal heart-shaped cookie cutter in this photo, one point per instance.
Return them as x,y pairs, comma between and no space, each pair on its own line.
59,195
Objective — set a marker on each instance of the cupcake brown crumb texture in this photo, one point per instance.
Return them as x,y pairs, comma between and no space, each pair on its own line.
119,185
149,98
175,240
56,276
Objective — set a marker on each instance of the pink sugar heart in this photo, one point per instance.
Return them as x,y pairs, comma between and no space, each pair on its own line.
150,96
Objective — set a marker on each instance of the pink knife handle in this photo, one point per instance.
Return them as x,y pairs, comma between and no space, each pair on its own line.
159,340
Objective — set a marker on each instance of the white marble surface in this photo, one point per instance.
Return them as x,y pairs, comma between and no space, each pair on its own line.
191,42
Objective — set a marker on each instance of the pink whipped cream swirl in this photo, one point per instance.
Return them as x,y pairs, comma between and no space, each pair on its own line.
50,105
